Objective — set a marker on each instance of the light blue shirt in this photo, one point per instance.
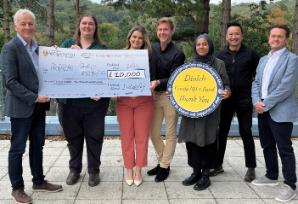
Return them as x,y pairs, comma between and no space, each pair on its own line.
272,61
32,51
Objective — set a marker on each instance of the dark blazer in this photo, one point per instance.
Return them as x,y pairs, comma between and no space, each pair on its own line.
20,80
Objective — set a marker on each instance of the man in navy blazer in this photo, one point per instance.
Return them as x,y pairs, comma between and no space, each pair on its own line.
273,95
26,109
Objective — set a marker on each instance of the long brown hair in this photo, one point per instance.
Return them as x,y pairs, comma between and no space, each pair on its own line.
78,32
141,29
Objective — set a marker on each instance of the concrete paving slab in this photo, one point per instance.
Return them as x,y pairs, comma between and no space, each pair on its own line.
180,150
62,161
228,187
179,161
237,201
5,190
97,202
3,172
58,173
3,201
152,160
104,191
51,201
112,161
193,201
53,151
54,143
272,201
232,190
4,153
146,191
175,190
3,161
151,201
108,151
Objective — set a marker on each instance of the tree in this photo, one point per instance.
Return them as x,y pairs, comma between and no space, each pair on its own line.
295,38
255,26
226,16
295,30
51,22
77,9
194,12
6,29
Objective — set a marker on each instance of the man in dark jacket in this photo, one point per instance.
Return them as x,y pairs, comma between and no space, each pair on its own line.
26,109
166,57
241,63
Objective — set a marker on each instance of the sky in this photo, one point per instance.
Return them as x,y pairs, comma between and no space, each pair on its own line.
218,1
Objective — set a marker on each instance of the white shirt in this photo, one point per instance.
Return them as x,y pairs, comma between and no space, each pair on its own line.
271,63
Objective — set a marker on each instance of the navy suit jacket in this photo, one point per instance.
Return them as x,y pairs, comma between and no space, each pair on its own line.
280,101
20,80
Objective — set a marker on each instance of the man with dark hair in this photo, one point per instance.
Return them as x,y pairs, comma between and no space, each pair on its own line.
273,96
241,62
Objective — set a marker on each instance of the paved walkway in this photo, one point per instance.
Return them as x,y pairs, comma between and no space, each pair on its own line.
227,188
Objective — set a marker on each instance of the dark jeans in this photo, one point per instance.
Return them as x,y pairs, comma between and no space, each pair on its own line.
81,122
33,126
243,109
274,134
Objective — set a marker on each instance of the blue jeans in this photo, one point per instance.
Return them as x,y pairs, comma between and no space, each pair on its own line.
274,134
34,126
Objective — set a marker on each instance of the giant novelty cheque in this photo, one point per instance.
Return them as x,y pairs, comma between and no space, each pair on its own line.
73,73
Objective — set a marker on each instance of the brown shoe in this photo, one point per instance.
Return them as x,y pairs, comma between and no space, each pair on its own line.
47,187
20,196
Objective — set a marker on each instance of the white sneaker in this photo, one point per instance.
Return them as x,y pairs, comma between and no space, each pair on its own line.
264,181
285,193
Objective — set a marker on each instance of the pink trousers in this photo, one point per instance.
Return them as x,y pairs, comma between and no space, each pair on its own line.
134,117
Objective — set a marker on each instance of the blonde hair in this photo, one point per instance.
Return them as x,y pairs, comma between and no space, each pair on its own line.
141,29
22,12
166,20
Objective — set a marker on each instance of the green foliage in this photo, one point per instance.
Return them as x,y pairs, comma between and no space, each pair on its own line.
1,39
255,26
108,33
111,110
214,28
188,49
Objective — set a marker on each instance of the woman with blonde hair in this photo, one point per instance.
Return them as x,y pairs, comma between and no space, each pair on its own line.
134,117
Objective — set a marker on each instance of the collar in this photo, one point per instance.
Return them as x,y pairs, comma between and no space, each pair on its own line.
169,45
276,53
34,45
227,49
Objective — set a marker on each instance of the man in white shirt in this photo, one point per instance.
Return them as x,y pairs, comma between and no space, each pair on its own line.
273,95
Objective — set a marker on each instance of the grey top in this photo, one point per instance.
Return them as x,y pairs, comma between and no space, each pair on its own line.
203,131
